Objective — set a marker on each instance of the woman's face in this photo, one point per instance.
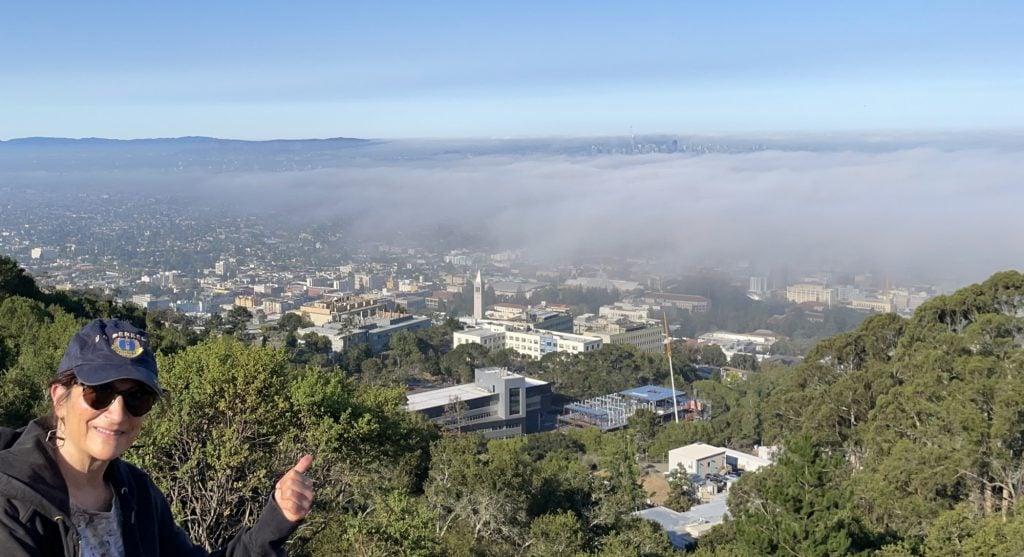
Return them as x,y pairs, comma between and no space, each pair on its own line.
95,435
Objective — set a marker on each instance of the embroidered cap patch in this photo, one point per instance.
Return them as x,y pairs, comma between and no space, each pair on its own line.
128,345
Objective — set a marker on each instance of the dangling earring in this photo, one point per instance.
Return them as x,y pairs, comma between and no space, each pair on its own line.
55,436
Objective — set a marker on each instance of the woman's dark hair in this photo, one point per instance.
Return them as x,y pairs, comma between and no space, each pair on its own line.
66,379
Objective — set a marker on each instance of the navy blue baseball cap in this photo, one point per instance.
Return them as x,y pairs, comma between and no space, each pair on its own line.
106,350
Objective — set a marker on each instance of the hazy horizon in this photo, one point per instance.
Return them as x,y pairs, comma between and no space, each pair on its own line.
936,213
863,136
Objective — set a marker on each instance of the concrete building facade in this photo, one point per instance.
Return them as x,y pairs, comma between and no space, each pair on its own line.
647,337
698,459
337,309
525,341
498,404
759,285
376,334
804,292
688,302
622,310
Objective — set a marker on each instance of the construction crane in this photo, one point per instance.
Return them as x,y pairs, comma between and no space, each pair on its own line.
671,372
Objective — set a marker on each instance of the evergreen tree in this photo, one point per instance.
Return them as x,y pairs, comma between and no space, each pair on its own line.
802,505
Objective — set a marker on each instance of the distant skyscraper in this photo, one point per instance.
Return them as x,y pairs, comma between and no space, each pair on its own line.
224,267
478,296
759,285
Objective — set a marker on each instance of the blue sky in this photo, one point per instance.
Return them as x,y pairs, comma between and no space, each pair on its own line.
260,70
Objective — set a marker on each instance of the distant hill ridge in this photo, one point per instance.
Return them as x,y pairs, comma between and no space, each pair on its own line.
192,139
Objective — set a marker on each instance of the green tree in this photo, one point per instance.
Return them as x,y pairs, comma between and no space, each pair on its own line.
612,368
214,452
682,494
214,325
506,357
236,320
459,364
38,339
169,332
618,493
394,523
480,488
241,416
19,319
14,281
317,344
744,361
644,424
636,537
561,480
800,506
409,354
712,355
556,534
292,322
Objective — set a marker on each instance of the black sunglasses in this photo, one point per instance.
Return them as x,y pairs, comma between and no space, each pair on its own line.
137,400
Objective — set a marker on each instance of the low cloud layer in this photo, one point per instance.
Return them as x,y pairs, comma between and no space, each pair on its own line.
915,212
947,216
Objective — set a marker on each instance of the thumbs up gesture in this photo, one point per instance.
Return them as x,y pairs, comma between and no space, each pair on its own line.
294,491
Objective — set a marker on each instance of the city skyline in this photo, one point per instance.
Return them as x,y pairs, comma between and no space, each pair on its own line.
462,70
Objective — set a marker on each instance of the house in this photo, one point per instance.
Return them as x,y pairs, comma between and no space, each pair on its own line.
699,459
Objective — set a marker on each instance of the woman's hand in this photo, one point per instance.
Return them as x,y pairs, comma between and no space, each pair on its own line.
294,491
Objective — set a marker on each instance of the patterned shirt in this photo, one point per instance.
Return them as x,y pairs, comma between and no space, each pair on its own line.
100,532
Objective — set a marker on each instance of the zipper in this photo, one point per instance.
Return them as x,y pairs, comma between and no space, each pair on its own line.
124,492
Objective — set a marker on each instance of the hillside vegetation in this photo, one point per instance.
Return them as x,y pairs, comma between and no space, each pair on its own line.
903,437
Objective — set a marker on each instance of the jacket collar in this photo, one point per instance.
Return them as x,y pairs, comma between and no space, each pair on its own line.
29,471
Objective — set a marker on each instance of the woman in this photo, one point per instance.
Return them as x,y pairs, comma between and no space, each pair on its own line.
64,490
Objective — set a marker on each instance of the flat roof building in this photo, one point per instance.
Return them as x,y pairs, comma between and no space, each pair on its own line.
498,404
491,340
700,459
607,284
525,341
804,292
376,334
647,335
688,302
622,310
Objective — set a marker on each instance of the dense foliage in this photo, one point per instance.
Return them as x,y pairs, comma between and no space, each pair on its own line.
919,425
903,437
388,483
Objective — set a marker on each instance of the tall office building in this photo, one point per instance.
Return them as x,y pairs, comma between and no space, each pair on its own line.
759,285
803,292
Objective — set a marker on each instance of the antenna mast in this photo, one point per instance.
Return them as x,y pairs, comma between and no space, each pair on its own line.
671,372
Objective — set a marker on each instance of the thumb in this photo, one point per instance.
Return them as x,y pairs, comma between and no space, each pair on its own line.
304,463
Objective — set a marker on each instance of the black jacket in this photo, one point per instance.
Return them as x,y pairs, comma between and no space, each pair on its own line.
35,510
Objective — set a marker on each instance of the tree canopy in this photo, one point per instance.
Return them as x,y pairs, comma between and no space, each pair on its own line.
902,437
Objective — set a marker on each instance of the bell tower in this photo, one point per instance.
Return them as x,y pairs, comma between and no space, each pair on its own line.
478,296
